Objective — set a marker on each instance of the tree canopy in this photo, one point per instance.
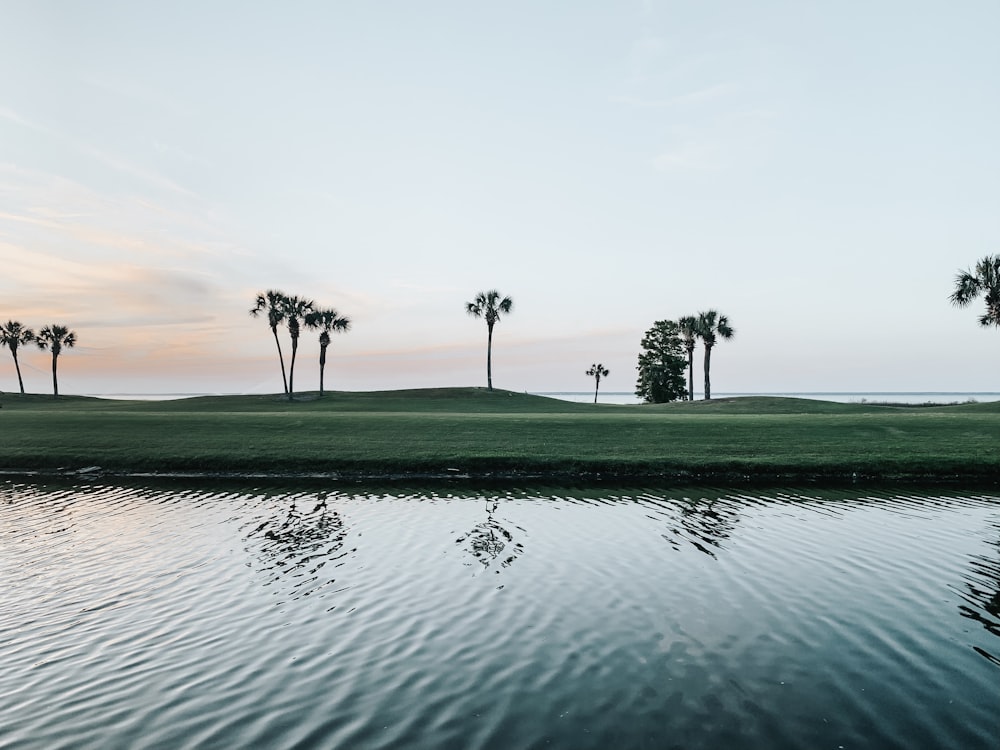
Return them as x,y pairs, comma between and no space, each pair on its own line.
984,281
661,364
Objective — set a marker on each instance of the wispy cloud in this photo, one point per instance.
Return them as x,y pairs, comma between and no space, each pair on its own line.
104,293
149,177
692,98
12,116
71,212
134,322
136,277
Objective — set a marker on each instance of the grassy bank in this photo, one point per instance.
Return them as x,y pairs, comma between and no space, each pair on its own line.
482,433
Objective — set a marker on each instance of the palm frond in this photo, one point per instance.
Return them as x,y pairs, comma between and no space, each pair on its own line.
967,288
489,305
711,326
984,281
55,337
14,334
272,302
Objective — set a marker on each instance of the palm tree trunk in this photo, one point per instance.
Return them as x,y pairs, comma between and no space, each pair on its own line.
691,373
322,366
489,359
17,367
597,387
281,358
291,369
55,382
708,380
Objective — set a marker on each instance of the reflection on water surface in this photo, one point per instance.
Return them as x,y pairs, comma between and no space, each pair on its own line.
294,537
136,615
489,542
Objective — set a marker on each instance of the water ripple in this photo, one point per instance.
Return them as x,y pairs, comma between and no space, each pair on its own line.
136,615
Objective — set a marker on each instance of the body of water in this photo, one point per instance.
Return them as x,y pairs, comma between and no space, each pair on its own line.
221,617
855,397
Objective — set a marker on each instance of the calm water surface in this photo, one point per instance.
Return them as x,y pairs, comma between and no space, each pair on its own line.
139,616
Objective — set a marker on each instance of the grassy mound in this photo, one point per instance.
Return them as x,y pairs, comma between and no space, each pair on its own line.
480,432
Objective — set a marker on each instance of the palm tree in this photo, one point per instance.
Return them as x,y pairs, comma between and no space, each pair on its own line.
489,305
295,310
597,372
14,335
55,338
712,326
326,321
272,301
985,281
688,329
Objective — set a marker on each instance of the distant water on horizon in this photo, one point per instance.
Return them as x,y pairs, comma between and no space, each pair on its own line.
627,397
847,397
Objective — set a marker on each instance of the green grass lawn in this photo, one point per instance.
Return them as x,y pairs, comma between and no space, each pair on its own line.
482,432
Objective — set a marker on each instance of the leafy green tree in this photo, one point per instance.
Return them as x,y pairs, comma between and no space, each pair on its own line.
661,365
984,281
490,306
597,371
12,336
711,327
273,303
688,328
55,338
295,310
326,321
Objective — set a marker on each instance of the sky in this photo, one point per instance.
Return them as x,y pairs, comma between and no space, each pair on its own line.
818,172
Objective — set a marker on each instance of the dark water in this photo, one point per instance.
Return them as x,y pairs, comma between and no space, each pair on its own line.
137,616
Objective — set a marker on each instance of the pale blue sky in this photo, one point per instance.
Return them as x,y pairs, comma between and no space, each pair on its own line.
817,171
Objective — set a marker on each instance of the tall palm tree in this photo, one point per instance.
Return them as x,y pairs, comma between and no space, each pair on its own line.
711,327
489,305
273,303
55,338
295,310
597,371
326,321
14,335
986,282
687,327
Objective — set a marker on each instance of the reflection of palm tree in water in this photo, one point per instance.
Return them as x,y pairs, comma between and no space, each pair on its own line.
489,542
984,594
704,523
300,543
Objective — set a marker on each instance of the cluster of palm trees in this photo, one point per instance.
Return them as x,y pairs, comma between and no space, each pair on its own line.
709,326
294,312
54,338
